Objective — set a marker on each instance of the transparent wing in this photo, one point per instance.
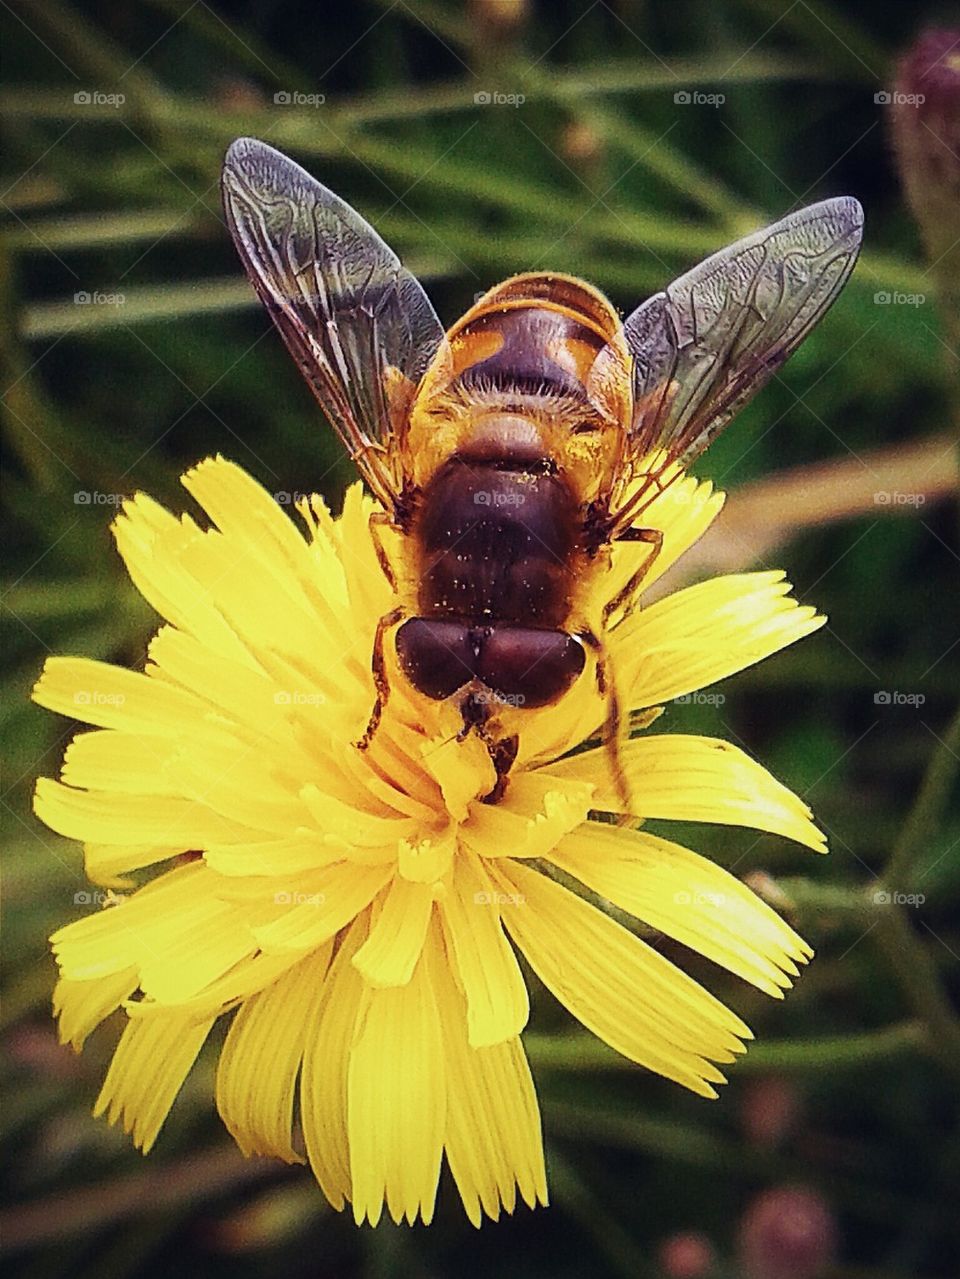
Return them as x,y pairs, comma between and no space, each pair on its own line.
350,315
708,343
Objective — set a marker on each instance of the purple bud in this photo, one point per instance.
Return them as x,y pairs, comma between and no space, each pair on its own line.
687,1255
768,1109
786,1233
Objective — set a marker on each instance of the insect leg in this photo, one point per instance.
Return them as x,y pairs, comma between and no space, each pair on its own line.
654,538
378,666
377,521
613,726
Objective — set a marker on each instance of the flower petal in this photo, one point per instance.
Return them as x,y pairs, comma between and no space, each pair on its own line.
112,940
682,512
80,1006
151,542
687,897
619,987
153,1058
111,697
308,912
539,809
323,1084
399,927
105,817
493,1136
260,1060
497,1001
682,777
397,1100
705,633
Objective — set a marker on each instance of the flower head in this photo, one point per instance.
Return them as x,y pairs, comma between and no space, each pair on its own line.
360,909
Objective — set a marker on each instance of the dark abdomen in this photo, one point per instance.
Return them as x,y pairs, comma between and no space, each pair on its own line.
496,544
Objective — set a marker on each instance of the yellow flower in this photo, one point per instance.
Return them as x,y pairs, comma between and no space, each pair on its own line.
355,908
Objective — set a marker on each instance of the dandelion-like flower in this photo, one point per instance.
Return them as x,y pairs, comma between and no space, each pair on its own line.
361,911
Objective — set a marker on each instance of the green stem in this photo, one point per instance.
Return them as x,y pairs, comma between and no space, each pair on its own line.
832,1052
913,968
927,809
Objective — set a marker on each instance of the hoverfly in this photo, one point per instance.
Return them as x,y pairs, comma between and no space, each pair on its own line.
512,451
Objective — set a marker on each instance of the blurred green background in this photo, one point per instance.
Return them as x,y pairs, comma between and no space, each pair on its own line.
117,119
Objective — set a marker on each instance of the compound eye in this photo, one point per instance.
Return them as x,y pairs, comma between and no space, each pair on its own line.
436,657
529,667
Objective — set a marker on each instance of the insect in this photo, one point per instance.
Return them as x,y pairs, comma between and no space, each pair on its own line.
510,452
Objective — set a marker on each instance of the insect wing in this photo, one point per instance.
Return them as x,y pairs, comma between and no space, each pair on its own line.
349,313
711,340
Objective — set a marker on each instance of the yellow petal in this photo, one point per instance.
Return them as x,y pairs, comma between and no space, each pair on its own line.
306,913
108,760
104,817
496,994
617,986
703,634
323,1085
109,864
80,1006
111,697
397,1100
493,1136
260,1060
151,542
390,954
683,513
152,1060
682,777
687,897
109,941
539,809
